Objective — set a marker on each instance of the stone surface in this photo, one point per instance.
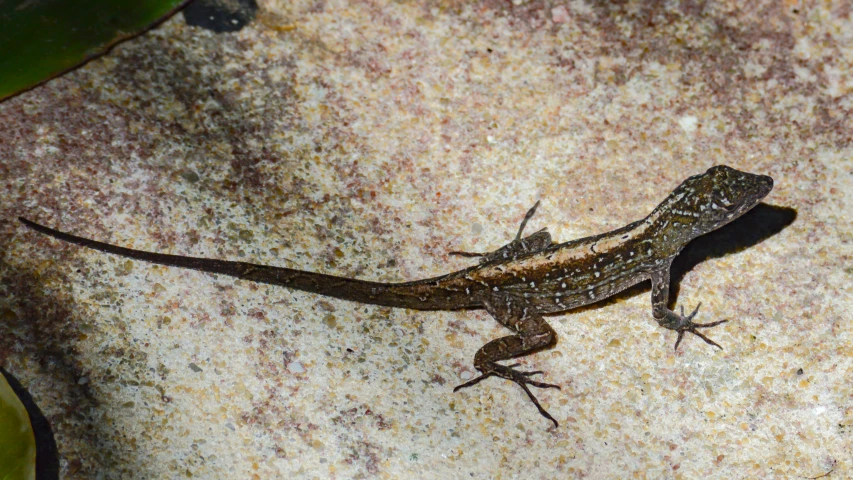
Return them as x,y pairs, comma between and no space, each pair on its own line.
368,140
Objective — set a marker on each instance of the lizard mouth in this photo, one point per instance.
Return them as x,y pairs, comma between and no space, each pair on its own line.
732,207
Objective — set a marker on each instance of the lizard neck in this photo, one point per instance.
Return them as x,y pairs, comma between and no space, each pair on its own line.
671,225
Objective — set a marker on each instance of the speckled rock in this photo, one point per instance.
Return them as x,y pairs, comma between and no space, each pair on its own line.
369,139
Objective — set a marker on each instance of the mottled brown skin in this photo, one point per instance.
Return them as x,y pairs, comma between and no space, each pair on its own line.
530,276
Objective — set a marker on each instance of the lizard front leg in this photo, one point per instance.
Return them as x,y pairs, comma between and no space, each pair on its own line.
532,334
667,318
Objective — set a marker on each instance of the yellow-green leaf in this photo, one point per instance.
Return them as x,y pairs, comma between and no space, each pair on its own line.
17,442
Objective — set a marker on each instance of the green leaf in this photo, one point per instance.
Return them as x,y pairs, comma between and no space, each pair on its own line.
40,39
17,442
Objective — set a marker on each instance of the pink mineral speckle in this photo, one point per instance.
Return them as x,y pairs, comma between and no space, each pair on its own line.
560,14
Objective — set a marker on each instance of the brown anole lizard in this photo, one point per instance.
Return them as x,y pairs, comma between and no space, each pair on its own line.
531,276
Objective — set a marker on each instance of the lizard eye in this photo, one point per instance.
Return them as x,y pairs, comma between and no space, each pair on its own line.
730,207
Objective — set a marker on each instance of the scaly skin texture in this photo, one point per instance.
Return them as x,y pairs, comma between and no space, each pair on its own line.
530,276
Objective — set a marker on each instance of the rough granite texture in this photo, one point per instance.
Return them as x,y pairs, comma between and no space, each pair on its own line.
369,139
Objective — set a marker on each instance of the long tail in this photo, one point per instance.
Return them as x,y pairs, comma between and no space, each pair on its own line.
421,295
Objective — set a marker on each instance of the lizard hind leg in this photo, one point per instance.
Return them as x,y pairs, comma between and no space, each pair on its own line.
518,246
527,217
532,334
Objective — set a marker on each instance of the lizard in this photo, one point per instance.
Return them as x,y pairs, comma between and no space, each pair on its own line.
530,276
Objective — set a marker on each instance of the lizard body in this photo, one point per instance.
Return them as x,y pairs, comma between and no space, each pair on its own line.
530,276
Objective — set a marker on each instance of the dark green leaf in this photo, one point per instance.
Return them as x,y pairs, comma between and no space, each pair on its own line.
40,39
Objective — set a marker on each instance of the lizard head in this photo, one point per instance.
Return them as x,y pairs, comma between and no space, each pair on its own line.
707,201
726,194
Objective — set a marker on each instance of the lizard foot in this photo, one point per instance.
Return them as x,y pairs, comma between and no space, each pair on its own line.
521,378
682,324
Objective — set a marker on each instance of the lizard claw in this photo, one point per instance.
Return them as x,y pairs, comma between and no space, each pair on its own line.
466,254
520,378
682,325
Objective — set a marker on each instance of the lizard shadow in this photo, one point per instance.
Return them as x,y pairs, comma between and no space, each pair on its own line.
752,228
